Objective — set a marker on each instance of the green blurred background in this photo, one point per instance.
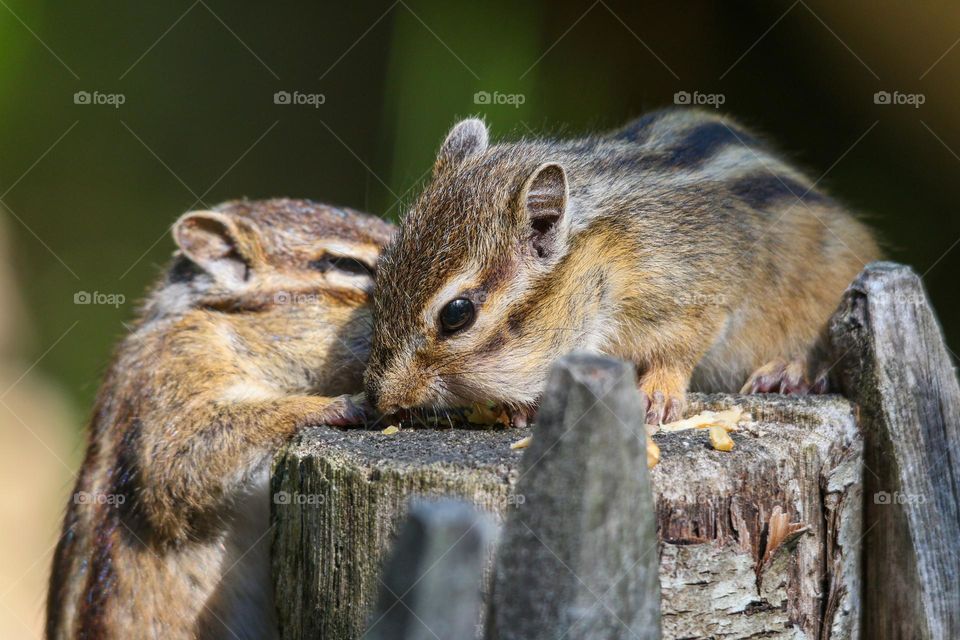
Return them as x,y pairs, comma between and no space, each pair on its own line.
89,191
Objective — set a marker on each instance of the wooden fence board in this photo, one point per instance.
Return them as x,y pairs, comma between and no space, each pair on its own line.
586,530
431,586
893,362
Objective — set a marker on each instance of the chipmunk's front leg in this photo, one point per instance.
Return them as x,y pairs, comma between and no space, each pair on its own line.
667,361
665,388
187,479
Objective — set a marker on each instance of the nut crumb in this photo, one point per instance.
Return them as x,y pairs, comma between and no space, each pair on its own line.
522,443
720,439
728,419
653,453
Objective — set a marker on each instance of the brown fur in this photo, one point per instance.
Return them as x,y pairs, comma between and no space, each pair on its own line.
683,244
166,534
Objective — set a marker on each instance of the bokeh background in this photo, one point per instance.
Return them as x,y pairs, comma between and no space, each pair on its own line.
182,114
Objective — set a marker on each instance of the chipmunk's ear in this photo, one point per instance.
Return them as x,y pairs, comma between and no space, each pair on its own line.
544,203
465,139
223,246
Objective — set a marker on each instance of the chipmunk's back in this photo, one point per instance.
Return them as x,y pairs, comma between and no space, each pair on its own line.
681,242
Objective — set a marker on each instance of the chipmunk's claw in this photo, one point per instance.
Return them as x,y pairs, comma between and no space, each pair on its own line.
821,384
521,418
663,408
787,378
347,410
778,376
665,395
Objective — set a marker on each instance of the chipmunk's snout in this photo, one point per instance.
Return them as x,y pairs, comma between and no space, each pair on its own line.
396,387
393,395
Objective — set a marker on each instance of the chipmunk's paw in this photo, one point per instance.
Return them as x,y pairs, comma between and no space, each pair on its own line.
788,378
665,396
346,410
663,408
820,384
521,418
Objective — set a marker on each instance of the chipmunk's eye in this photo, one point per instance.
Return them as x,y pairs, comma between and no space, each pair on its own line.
350,266
457,315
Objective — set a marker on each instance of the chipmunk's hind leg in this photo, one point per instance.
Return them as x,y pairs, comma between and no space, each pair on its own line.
786,377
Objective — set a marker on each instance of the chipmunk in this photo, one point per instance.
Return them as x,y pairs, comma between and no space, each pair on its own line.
258,329
679,242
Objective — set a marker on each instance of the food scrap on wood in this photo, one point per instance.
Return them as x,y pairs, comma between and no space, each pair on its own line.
719,423
522,443
653,453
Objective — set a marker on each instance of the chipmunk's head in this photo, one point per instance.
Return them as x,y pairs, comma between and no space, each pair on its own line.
463,306
249,249
291,275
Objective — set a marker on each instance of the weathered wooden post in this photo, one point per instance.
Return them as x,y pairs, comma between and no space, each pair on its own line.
431,586
894,364
578,557
722,573
347,493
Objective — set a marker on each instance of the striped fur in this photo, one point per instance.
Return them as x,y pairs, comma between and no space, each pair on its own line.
691,249
165,537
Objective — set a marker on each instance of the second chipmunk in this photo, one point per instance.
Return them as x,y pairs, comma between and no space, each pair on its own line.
258,329
681,243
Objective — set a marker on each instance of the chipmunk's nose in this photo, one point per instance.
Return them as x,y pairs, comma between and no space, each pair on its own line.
376,402
388,405
375,398
389,398
395,386
373,395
